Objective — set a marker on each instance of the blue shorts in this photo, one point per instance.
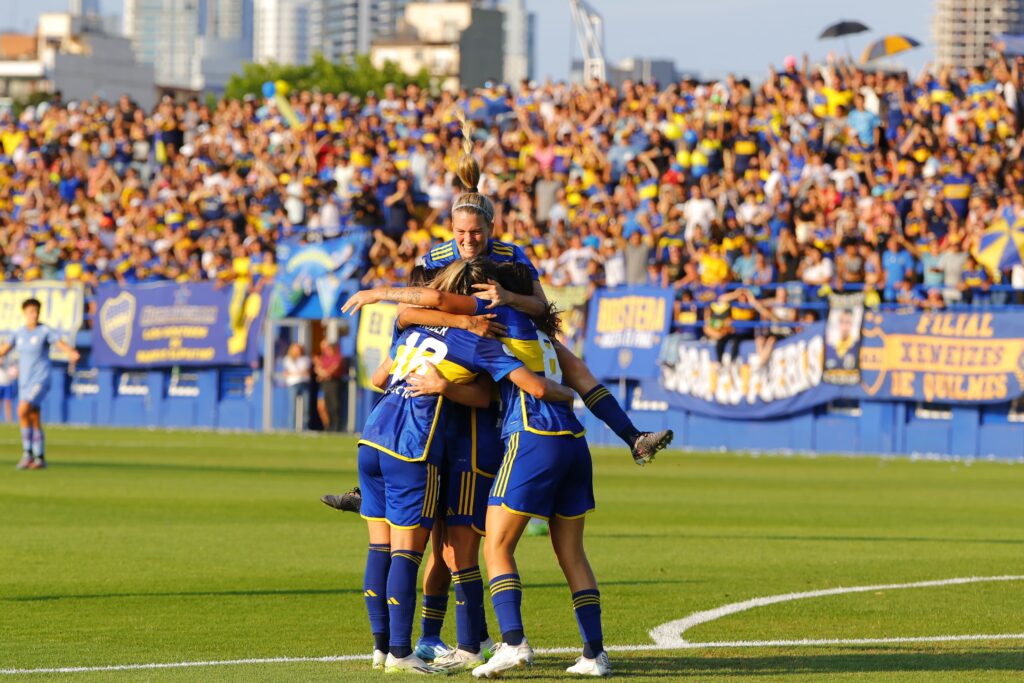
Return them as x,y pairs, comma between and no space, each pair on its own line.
472,457
545,476
33,394
7,392
403,494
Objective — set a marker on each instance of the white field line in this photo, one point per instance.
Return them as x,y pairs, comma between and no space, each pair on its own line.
670,634
666,637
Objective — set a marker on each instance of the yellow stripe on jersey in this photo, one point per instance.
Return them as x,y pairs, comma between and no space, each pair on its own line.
541,432
444,251
472,434
426,448
529,351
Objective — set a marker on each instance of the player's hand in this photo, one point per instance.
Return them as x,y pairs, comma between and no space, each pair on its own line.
486,326
425,382
74,355
493,292
358,300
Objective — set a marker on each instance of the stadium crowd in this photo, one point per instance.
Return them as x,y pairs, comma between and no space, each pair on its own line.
817,179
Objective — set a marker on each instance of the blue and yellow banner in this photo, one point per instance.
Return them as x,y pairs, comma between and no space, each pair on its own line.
749,387
170,323
373,341
323,269
625,329
975,357
943,357
62,308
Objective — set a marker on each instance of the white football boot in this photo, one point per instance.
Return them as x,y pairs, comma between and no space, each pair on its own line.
505,658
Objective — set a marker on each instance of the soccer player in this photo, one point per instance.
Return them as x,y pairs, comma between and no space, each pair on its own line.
399,454
472,224
472,454
33,343
547,473
558,471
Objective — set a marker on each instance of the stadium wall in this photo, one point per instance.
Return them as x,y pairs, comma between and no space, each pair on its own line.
228,398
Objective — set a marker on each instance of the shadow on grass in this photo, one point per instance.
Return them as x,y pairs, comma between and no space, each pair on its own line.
284,592
706,667
205,468
841,539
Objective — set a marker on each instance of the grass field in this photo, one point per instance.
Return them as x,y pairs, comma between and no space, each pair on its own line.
149,547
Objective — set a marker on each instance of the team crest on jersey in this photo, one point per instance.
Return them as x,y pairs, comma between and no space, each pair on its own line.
117,317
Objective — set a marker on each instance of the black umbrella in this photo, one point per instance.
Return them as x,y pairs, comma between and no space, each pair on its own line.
843,28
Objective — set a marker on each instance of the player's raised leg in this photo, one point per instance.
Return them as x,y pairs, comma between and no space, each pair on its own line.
599,401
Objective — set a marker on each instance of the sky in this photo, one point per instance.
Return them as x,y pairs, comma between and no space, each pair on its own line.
711,37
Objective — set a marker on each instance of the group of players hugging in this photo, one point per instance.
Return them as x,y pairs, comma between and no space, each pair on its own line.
475,431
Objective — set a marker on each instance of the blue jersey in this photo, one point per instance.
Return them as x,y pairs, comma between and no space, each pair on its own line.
523,412
33,348
405,427
499,252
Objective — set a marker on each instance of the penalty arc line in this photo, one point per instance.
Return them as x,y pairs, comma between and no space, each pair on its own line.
666,637
671,634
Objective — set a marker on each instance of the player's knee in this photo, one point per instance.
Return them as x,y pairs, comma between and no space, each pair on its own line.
450,556
463,549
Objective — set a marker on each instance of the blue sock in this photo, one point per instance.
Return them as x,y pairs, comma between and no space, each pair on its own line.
602,404
434,608
587,604
507,598
405,565
469,608
375,584
26,440
38,443
484,635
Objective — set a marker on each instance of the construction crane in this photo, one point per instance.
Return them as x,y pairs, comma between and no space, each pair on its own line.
590,34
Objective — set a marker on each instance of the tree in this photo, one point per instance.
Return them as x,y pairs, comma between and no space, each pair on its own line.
358,77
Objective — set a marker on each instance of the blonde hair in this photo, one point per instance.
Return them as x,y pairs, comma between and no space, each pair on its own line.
469,175
458,277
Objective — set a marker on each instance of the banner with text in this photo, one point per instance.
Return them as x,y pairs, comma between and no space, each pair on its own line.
625,329
943,357
177,324
373,340
921,357
751,387
62,308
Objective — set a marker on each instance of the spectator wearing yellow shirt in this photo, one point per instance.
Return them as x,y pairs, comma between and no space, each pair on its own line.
712,268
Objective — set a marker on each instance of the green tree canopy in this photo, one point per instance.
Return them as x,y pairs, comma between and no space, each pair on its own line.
357,77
